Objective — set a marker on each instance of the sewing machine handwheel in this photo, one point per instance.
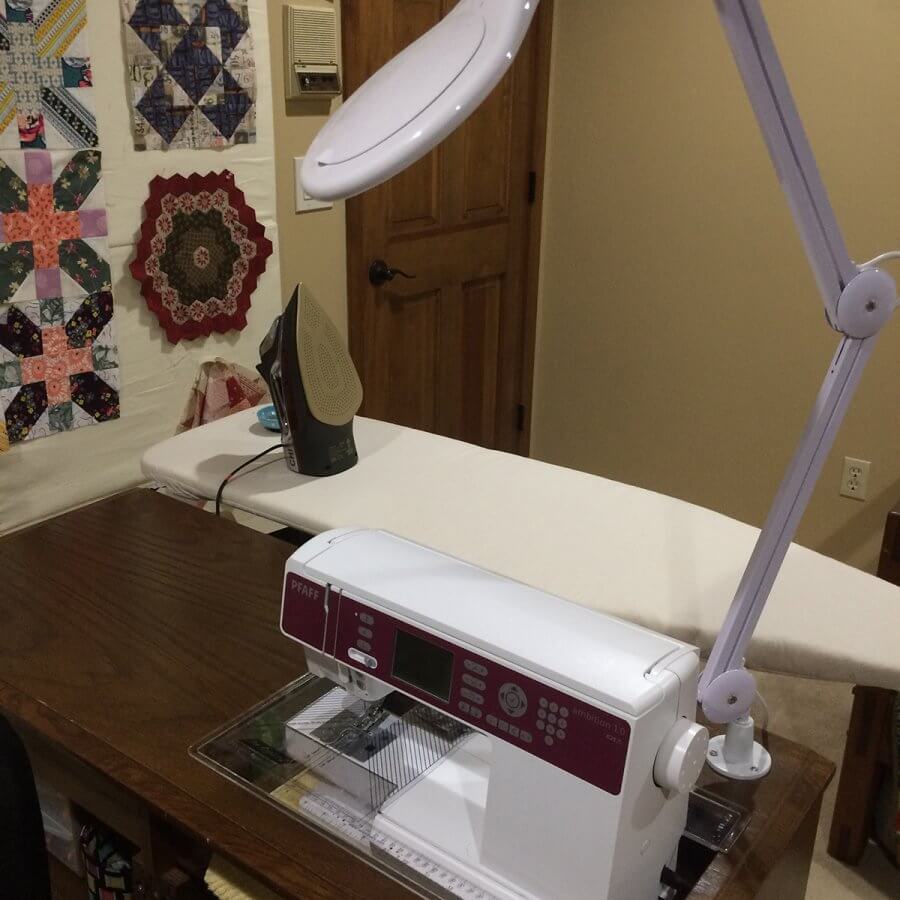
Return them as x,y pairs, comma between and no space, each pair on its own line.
681,757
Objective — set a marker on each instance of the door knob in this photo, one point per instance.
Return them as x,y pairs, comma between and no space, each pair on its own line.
381,273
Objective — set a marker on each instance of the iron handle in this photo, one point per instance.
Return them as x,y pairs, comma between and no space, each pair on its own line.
381,273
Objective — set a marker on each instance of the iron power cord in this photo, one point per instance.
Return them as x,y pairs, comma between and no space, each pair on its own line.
229,478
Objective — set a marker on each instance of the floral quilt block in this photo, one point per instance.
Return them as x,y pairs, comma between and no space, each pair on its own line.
59,366
192,72
53,229
46,86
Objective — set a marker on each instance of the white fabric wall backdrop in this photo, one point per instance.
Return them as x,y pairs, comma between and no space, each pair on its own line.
42,478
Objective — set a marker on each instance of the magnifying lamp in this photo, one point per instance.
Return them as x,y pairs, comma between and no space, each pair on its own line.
420,97
430,88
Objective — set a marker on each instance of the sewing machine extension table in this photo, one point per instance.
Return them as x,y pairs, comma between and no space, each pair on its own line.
134,627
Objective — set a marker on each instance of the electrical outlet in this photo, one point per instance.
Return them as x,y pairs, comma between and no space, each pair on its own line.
855,480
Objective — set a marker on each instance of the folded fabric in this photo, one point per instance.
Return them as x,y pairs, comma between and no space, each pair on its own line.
222,388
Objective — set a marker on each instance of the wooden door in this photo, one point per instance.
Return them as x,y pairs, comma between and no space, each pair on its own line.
452,350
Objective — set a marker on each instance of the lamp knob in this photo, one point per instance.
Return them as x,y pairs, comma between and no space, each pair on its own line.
681,757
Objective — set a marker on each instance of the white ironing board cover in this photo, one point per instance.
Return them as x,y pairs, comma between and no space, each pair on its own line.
663,563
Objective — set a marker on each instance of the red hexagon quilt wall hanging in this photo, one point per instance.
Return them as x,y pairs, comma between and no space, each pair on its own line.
200,255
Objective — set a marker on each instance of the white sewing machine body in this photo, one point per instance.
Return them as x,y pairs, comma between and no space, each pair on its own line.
576,716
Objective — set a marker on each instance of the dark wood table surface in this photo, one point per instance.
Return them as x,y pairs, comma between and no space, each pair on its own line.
132,628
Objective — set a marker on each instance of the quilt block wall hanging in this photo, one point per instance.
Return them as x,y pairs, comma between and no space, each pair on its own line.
59,366
192,73
200,254
46,96
52,225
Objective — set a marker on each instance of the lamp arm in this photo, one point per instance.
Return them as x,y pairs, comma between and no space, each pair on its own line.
726,690
858,304
770,96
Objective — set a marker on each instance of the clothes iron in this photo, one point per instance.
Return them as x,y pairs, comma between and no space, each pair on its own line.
315,388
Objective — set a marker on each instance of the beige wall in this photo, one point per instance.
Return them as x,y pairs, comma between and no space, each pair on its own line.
681,337
313,245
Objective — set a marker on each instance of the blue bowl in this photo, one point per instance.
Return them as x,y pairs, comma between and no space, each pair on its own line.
268,418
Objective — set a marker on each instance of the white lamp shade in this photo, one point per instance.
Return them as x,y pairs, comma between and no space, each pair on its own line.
416,100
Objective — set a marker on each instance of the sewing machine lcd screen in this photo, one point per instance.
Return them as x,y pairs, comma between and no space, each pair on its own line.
423,665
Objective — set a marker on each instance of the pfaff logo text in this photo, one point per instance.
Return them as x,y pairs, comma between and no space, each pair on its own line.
305,589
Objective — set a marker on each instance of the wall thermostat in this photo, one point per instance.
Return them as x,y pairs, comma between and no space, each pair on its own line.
311,53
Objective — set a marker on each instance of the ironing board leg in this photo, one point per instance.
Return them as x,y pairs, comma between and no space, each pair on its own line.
867,752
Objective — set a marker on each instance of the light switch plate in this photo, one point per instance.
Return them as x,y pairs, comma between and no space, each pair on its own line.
305,203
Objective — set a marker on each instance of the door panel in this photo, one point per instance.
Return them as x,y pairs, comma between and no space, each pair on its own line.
488,175
447,351
415,198
414,194
411,19
469,346
404,358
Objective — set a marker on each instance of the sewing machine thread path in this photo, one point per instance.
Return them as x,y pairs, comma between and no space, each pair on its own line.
574,783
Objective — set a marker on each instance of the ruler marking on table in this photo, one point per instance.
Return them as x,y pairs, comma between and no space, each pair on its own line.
361,831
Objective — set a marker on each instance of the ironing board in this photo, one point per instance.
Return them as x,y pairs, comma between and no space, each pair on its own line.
657,561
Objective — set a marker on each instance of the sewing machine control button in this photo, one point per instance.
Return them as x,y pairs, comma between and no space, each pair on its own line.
463,706
551,718
563,712
526,736
542,713
551,729
492,720
366,633
562,723
513,700
541,725
543,703
364,645
474,682
363,658
554,707
366,619
503,725
471,695
476,712
513,731
560,734
475,667
548,741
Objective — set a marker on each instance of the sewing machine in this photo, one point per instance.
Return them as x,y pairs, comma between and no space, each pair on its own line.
580,744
